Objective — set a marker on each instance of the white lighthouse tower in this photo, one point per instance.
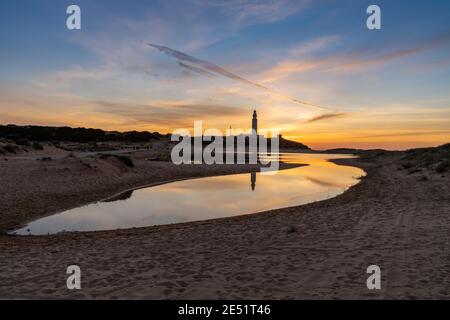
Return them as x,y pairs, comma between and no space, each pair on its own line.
255,123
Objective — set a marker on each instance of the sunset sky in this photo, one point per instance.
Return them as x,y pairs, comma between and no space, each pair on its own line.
217,61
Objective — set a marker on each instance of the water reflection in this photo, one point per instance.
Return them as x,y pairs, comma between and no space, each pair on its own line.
253,180
207,198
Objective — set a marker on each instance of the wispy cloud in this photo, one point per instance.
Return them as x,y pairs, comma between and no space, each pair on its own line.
250,12
206,66
169,114
76,73
406,134
303,57
326,116
313,46
359,64
196,69
355,62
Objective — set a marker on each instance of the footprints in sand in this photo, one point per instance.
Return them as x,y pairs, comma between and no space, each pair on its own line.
384,221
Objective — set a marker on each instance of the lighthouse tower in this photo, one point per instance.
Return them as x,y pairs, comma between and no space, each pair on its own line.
254,123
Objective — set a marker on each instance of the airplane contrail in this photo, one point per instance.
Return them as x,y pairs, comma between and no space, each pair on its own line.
208,67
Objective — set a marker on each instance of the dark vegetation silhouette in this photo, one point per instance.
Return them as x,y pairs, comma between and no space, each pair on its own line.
23,134
125,160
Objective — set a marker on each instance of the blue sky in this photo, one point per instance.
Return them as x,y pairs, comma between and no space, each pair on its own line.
384,88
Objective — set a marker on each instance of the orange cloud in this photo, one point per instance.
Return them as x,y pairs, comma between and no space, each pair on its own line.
326,116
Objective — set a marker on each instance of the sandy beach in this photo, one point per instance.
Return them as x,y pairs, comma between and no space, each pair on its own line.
136,139
396,217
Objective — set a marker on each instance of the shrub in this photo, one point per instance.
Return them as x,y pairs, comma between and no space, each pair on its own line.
9,148
36,146
45,159
290,229
23,142
127,161
443,166
407,165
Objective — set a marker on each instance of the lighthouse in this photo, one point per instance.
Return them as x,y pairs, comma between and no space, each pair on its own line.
254,123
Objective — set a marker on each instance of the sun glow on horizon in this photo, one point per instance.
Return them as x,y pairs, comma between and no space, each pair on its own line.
317,86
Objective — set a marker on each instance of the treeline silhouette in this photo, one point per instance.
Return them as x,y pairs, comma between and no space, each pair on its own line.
81,135
85,135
